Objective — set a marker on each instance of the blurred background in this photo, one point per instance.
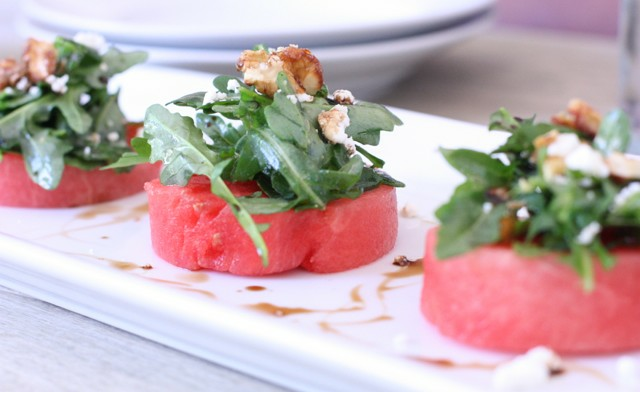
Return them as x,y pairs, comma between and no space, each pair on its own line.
461,59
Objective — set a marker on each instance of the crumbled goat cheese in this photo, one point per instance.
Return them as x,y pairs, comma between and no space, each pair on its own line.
92,40
333,124
522,214
487,207
113,136
300,97
34,90
213,95
528,371
588,233
84,99
103,67
233,86
588,161
408,211
563,144
343,96
58,84
22,84
626,193
86,151
627,369
8,90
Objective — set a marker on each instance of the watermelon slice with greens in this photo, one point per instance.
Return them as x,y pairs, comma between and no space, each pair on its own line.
540,244
270,174
59,125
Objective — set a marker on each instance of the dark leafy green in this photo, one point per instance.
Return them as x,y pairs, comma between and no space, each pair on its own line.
79,125
243,135
571,213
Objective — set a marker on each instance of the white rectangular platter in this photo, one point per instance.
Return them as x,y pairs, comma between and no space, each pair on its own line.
359,330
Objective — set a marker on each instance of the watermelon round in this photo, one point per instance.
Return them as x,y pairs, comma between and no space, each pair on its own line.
493,298
77,187
194,229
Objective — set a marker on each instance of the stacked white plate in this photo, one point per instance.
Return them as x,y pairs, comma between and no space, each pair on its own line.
364,46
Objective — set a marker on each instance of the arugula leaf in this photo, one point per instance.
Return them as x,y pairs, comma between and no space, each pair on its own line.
77,118
613,133
44,157
479,168
460,233
177,142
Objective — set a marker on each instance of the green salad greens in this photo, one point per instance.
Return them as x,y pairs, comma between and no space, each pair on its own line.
240,134
55,107
547,188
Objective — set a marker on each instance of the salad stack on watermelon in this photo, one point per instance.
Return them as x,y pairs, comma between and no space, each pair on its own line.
270,174
60,124
540,245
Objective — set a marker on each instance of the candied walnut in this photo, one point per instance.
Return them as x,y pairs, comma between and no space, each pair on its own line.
261,68
580,116
10,72
546,139
622,166
40,58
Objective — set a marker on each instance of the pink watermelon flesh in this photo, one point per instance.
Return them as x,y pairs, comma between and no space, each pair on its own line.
77,187
194,229
493,298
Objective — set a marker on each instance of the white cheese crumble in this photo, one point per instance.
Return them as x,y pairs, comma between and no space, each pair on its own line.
34,90
22,84
84,99
233,86
522,214
92,40
408,211
626,193
58,84
588,161
113,136
213,95
587,234
300,97
528,371
627,369
563,144
333,124
487,207
343,96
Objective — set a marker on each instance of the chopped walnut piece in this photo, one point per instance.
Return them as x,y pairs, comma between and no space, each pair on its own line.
580,116
261,68
623,166
546,139
10,72
40,58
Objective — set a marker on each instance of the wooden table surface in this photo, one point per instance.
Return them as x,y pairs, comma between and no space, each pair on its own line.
46,348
